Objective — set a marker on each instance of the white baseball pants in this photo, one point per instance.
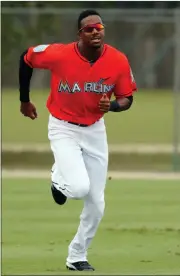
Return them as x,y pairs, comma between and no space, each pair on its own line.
80,171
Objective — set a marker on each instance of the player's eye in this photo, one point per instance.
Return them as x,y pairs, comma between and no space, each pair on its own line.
89,28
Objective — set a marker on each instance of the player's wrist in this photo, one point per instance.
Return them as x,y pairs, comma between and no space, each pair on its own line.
23,102
24,97
114,106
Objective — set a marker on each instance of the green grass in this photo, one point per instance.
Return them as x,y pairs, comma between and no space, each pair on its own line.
150,120
140,232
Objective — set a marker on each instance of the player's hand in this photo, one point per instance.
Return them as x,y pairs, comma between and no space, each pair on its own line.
104,103
28,110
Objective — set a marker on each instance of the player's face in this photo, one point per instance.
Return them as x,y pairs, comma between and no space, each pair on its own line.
92,31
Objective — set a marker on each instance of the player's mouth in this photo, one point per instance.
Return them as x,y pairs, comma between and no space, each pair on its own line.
96,39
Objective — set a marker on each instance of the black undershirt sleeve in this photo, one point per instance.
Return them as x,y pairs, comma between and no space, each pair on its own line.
25,74
115,106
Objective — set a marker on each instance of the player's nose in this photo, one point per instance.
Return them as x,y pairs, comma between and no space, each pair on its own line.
94,31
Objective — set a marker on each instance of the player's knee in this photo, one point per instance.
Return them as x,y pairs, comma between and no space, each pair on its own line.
100,210
99,207
80,191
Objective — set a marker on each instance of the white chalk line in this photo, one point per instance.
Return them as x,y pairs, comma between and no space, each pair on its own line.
139,148
44,174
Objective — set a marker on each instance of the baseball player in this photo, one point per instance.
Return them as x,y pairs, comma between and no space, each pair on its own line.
84,76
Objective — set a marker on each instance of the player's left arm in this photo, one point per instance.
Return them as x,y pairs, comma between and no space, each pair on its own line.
124,88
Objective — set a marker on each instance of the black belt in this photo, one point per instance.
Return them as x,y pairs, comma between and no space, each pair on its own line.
76,124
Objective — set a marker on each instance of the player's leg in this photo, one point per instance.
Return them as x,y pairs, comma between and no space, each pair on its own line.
96,161
69,174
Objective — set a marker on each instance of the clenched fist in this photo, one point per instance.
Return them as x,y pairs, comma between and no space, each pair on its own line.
104,103
28,110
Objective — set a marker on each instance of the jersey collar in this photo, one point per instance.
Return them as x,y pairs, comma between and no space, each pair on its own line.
82,57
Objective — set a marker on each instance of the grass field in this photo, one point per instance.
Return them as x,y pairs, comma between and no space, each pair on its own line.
150,120
140,232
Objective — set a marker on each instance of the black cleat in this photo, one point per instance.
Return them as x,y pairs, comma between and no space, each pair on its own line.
80,266
59,197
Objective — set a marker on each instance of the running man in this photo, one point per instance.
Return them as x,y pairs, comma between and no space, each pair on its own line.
84,76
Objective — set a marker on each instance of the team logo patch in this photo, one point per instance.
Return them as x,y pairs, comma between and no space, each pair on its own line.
40,48
95,87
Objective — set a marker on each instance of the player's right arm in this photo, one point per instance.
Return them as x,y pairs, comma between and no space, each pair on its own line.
25,73
42,57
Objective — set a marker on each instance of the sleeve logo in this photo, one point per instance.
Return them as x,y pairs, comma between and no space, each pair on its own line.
40,48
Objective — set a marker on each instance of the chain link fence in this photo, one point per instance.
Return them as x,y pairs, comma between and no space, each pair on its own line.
145,36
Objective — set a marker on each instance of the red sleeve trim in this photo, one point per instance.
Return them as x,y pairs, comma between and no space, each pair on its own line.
27,61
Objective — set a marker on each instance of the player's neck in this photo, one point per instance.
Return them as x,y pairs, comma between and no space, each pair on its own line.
90,54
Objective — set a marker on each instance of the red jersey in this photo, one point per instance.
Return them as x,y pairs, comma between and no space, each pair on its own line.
76,84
